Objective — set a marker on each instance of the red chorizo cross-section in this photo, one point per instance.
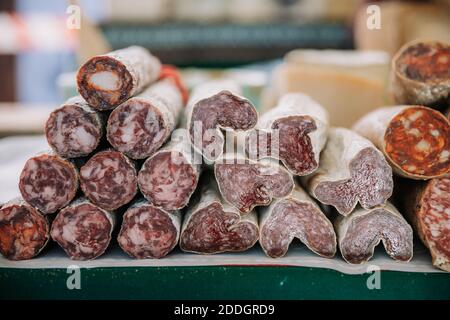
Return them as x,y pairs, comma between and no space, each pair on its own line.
74,129
109,179
414,139
244,183
351,170
213,107
148,231
48,182
420,74
212,226
83,230
106,81
294,132
427,208
142,124
295,216
360,232
24,231
169,177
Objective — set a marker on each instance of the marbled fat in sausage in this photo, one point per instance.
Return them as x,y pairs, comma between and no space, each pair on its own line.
295,216
83,230
24,231
148,231
106,81
48,182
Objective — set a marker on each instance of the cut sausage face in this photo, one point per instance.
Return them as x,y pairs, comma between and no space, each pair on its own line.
82,230
365,232
147,232
72,131
417,140
137,129
425,62
291,219
250,184
292,143
370,183
48,182
23,231
214,230
109,180
222,110
104,82
167,180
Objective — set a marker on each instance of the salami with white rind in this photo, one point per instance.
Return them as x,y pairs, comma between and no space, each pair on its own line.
294,132
108,80
414,139
24,231
212,226
296,216
420,74
169,177
74,129
427,207
351,170
212,107
360,232
148,231
109,179
48,182
83,230
244,183
141,125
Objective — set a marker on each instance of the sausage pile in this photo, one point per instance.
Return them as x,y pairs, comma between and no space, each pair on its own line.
134,153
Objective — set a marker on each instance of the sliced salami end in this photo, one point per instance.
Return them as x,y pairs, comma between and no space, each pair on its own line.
222,110
417,142
360,232
421,74
296,216
74,130
293,132
245,184
109,179
149,232
108,80
167,179
24,231
48,182
214,230
141,125
83,230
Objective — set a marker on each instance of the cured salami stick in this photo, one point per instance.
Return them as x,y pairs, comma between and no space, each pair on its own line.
359,234
212,107
296,216
109,179
426,206
294,132
245,184
48,182
212,226
351,170
74,129
414,139
142,124
106,81
169,177
148,231
420,74
83,230
24,231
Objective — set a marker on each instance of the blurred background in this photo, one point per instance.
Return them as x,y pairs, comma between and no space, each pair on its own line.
41,48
